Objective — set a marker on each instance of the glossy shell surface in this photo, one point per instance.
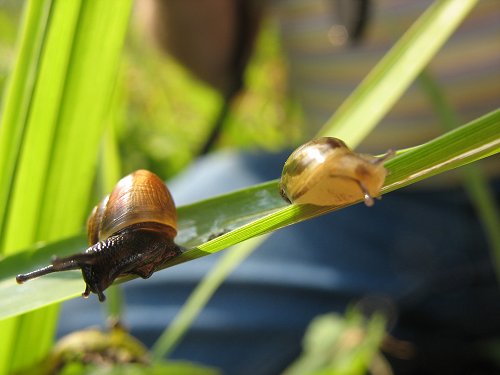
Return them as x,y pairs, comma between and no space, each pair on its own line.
325,172
137,198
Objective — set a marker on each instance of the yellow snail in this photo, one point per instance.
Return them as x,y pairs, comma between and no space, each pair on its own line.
325,172
131,231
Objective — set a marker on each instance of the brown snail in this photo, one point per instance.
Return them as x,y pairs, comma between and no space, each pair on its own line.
131,231
325,172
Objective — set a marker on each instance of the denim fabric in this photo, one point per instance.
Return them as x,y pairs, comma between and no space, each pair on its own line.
418,255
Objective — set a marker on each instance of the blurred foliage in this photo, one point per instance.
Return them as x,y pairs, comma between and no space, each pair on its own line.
165,113
9,20
339,345
92,351
333,344
169,113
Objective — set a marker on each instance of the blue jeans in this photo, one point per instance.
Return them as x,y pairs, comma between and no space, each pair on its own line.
418,255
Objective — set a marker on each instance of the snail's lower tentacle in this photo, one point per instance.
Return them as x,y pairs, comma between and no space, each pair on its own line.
101,296
366,195
86,292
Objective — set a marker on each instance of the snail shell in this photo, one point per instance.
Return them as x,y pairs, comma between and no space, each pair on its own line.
131,231
325,172
139,197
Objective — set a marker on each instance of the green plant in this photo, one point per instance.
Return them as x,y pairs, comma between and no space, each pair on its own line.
54,115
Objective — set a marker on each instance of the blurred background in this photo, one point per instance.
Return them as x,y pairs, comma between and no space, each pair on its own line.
165,114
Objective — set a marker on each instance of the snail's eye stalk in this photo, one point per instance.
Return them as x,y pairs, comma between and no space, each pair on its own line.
23,277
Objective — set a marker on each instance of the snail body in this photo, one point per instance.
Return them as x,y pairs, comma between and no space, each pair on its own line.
131,231
325,172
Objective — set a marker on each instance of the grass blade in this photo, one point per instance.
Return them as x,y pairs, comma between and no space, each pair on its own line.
474,180
72,66
239,212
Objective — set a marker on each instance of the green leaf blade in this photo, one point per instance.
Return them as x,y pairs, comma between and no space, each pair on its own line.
71,51
245,219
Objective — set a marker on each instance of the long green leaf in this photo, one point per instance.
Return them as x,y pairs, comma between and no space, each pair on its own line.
387,74
15,108
72,67
248,213
475,182
15,111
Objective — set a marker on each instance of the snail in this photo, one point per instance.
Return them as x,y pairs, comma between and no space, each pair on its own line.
325,172
131,231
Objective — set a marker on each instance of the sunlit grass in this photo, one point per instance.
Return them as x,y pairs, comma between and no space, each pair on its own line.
162,115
